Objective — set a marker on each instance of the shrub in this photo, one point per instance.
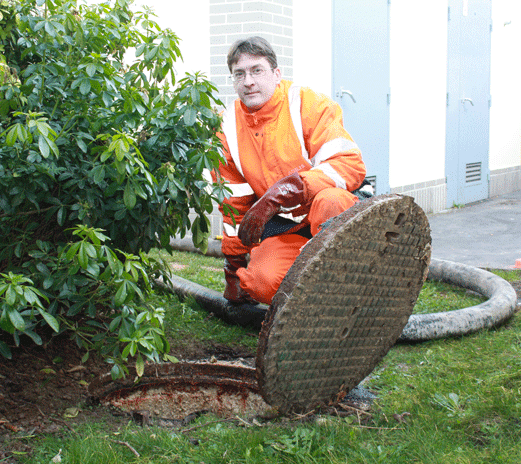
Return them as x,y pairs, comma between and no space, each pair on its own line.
102,157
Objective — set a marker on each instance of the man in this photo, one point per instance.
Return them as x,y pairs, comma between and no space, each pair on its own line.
290,165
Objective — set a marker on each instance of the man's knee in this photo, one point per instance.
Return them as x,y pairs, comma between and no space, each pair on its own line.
327,204
269,264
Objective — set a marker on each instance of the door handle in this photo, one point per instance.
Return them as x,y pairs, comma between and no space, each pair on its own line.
463,100
344,91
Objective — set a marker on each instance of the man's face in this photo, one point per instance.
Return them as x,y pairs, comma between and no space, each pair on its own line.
254,80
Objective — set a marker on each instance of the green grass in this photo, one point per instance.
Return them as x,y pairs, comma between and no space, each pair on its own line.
440,297
453,401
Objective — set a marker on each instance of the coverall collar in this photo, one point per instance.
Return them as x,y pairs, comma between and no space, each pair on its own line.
270,110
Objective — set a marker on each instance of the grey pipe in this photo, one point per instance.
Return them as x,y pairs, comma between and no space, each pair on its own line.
214,302
499,307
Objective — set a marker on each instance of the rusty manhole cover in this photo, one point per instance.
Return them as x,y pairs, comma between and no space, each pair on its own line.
341,307
343,303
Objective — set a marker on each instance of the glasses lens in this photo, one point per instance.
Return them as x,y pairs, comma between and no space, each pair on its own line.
239,76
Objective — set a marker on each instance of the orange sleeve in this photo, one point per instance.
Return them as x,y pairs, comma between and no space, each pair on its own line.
336,159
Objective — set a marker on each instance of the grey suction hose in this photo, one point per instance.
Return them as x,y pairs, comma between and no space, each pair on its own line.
499,307
213,302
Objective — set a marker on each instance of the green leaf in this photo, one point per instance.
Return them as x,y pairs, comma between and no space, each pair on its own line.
16,319
85,86
75,309
34,337
90,69
195,95
189,116
99,174
43,146
129,196
151,53
105,155
83,257
60,216
10,296
121,294
90,249
114,324
72,251
49,28
4,107
140,49
116,372
47,283
5,351
140,366
51,320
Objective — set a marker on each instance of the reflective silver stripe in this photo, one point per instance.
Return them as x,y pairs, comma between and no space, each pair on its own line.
294,108
298,219
231,231
330,172
331,148
240,190
229,128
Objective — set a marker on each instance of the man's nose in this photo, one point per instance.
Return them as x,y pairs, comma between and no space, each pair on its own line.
248,79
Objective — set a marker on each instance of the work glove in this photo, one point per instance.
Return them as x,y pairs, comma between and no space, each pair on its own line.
288,192
233,291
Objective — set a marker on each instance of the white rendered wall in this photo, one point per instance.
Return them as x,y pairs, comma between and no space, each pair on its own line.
418,47
505,81
312,44
190,21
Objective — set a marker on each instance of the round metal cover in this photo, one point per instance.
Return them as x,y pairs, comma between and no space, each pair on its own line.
343,303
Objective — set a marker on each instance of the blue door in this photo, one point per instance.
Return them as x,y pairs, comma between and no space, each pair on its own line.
361,80
468,101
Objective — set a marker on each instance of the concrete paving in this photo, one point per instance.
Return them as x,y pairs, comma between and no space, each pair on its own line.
486,234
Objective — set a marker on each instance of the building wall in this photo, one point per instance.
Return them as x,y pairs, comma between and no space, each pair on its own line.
505,110
418,91
312,50
418,42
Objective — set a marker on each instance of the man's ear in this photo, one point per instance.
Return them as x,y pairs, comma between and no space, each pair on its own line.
278,74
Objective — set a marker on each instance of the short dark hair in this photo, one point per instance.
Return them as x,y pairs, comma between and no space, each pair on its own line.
256,46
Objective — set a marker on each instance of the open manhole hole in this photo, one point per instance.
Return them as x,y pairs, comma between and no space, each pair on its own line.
340,308
178,390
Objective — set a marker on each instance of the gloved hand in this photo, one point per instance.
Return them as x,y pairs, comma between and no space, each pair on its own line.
233,291
285,193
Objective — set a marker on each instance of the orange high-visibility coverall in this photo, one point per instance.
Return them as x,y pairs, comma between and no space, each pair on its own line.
297,130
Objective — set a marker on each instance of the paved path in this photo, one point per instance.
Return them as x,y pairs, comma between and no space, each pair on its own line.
486,234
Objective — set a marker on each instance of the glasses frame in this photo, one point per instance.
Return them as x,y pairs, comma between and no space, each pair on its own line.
258,69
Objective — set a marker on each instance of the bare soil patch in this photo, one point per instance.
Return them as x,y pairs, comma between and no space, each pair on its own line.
43,389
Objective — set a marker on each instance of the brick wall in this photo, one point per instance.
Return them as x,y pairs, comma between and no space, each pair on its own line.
235,19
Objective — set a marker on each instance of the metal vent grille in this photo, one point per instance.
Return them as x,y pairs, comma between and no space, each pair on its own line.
473,172
372,181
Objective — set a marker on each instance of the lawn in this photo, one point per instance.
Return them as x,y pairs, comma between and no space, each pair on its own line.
442,401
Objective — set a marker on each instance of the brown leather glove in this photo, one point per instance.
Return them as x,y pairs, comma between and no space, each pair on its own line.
233,291
285,193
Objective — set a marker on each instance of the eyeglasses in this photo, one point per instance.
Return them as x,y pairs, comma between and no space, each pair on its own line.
255,73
